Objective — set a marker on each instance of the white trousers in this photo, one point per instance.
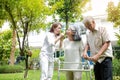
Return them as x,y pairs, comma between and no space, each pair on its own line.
47,68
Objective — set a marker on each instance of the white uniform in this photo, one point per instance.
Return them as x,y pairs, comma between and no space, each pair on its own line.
47,57
72,52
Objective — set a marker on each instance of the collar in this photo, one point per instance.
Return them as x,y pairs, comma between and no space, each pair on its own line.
96,29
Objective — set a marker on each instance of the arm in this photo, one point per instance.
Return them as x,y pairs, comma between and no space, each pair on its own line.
84,54
52,40
61,43
101,51
59,38
106,42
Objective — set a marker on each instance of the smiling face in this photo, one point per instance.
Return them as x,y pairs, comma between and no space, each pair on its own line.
57,30
70,33
89,23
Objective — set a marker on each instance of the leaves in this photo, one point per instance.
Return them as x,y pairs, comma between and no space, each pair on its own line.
114,13
114,16
5,45
68,10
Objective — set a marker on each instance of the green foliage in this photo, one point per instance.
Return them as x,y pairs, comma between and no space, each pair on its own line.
116,67
61,58
68,10
118,36
35,53
116,77
34,11
114,13
117,54
35,75
72,8
117,48
11,69
5,45
24,16
32,75
114,16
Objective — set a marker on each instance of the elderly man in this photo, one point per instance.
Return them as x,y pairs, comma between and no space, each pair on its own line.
99,44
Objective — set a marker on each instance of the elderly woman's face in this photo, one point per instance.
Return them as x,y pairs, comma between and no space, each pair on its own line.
69,31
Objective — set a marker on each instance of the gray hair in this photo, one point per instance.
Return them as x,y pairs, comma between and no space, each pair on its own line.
79,27
88,20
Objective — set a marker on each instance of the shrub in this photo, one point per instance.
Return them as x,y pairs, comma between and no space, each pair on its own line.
116,67
11,69
61,58
5,45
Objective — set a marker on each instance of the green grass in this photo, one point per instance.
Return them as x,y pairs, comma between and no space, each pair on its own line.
32,75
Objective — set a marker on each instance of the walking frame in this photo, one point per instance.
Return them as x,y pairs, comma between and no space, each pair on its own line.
85,68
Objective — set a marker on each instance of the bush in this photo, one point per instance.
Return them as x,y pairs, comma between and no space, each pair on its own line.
116,67
11,69
61,58
116,52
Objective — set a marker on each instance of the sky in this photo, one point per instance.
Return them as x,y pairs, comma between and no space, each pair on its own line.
5,26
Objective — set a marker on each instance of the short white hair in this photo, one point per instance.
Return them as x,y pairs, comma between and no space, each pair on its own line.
88,19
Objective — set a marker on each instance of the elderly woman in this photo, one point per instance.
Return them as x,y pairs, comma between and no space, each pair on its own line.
72,50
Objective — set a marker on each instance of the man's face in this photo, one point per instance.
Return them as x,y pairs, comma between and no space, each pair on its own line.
90,26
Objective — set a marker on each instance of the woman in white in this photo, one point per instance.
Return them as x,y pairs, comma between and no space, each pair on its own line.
72,52
47,51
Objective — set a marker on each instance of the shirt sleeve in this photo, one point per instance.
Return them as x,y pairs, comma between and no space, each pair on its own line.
81,45
63,44
105,35
51,39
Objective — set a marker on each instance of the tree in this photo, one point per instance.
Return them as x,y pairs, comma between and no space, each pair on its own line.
68,10
114,16
8,8
114,13
24,16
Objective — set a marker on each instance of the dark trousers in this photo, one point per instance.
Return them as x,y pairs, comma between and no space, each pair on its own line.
103,71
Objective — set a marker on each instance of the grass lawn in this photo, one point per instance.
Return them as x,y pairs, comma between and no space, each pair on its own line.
33,75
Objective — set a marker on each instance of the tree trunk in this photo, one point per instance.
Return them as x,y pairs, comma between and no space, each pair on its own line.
66,20
26,64
12,56
14,34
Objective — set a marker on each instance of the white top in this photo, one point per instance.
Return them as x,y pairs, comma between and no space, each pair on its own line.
57,46
48,47
72,52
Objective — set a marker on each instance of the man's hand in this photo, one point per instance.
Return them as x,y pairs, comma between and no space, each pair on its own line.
94,58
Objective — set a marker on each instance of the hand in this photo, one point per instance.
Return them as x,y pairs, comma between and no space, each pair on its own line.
94,58
85,56
61,36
